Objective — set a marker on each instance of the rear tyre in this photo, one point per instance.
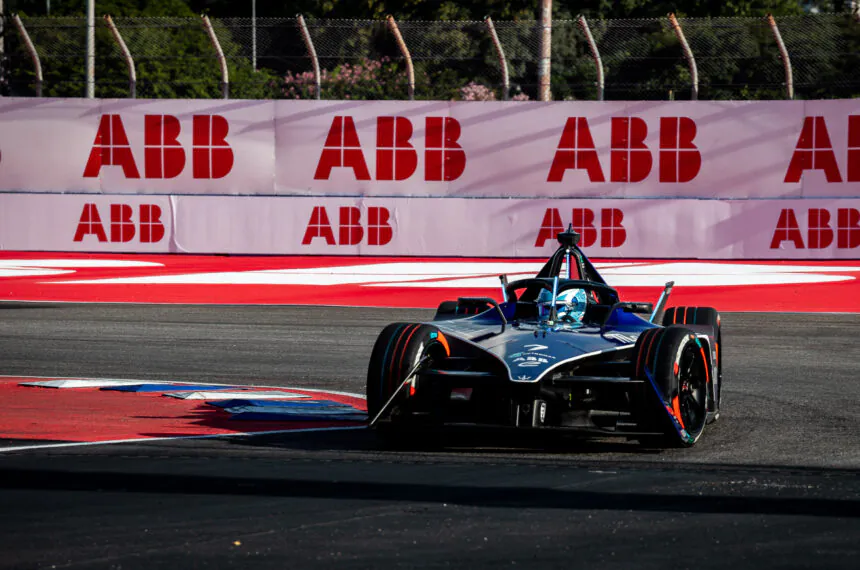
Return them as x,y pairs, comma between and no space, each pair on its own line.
672,360
399,349
702,316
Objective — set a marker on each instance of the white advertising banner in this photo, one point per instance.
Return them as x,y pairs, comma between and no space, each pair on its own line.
566,149
626,228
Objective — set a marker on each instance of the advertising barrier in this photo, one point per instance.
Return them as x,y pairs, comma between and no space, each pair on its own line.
626,228
775,179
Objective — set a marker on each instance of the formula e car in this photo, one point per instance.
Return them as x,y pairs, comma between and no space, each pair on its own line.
558,353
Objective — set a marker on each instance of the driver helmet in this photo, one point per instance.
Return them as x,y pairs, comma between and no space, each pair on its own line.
570,305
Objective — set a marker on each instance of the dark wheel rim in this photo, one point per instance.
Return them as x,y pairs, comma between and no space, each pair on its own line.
692,388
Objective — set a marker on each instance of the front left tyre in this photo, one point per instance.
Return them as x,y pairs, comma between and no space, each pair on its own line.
400,351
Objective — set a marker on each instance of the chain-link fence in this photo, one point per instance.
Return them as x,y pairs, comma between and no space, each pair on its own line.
736,58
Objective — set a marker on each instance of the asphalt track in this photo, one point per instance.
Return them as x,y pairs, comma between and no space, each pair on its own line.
775,483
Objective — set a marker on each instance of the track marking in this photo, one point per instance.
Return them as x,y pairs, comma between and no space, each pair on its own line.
37,446
133,381
148,439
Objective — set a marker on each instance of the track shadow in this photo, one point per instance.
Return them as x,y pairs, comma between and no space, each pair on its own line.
452,442
470,495
20,305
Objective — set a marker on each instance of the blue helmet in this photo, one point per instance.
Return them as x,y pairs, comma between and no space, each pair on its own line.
570,305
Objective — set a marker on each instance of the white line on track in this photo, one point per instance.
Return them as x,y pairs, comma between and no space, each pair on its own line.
180,382
148,439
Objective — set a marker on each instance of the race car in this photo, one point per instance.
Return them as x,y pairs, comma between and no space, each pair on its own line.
557,353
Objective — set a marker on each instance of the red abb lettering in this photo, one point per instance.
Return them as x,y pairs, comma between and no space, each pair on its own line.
151,228
90,223
847,228
611,231
630,159
342,150
813,152
550,227
213,157
576,151
111,148
444,158
583,222
396,158
819,231
350,229
122,226
680,159
379,231
318,226
787,230
163,154
854,148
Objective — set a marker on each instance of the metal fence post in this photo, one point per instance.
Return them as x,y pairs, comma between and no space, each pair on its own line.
506,83
31,49
91,49
544,92
410,71
688,53
598,63
129,61
225,75
312,52
2,48
783,53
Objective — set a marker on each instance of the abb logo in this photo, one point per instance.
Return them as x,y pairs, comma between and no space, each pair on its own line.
630,159
396,157
122,227
814,151
163,156
820,232
611,230
350,230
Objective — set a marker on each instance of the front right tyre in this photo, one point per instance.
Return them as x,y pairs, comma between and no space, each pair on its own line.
673,363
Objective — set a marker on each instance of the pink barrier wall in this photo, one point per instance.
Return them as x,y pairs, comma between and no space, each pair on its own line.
730,229
658,179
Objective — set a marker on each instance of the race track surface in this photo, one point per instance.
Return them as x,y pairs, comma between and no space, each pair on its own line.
775,483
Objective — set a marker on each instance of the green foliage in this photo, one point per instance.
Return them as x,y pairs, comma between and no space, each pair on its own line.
737,58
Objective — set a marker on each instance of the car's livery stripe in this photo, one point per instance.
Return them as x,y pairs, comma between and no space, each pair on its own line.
648,352
657,350
400,368
395,353
642,351
383,386
704,362
676,411
444,342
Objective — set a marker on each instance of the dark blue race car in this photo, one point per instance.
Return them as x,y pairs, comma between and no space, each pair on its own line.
561,351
